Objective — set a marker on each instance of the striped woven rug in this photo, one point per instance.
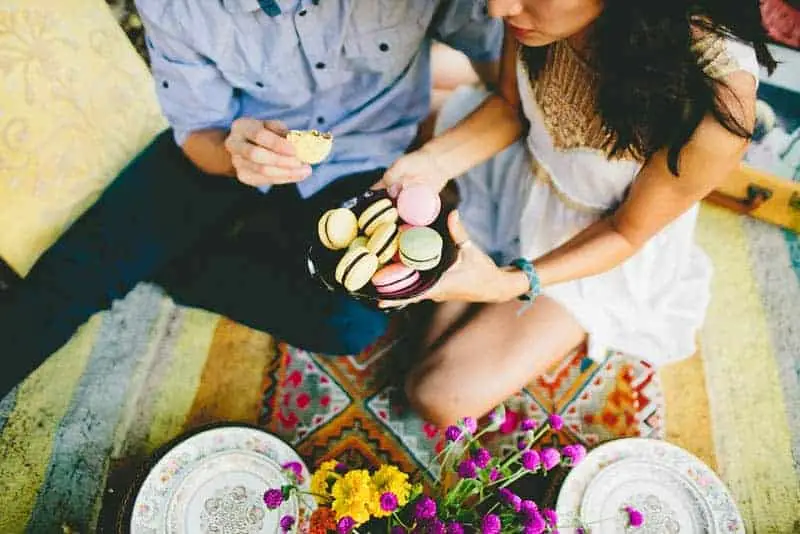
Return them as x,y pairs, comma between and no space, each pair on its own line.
147,372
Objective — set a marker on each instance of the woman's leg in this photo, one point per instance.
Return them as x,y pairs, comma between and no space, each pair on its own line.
495,354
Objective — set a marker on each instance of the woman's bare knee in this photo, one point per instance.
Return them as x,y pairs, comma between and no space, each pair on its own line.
432,397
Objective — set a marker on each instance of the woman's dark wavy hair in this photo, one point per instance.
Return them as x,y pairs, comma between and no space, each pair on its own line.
652,93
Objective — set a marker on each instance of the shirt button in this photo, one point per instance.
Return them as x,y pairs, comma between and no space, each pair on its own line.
320,120
259,84
383,47
165,84
320,65
303,13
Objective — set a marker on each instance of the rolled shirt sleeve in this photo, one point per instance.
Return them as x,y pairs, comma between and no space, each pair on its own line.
191,90
466,26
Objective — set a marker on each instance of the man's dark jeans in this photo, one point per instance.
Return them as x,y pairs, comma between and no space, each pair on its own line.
165,221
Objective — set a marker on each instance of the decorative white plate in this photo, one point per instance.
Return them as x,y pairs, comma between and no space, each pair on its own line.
676,492
214,482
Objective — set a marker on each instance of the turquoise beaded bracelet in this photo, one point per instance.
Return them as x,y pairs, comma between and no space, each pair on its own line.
533,278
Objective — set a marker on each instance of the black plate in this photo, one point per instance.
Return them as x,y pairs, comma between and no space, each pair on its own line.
322,262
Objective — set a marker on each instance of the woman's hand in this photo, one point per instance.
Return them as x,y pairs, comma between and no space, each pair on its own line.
474,277
420,166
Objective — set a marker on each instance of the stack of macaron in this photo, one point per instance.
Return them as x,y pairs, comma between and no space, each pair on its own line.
389,243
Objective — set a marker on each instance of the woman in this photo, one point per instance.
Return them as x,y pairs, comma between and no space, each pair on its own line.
635,112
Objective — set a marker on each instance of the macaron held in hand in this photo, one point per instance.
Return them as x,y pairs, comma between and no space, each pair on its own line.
421,248
376,214
418,205
310,146
356,268
337,228
395,279
384,242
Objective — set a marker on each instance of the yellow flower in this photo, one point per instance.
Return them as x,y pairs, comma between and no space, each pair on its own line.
321,481
352,495
389,479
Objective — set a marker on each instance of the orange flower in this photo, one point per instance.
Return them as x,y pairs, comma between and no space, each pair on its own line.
323,520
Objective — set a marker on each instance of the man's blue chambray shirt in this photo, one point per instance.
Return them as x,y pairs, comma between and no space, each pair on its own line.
357,68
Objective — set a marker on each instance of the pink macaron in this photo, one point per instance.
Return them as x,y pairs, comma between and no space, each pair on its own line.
418,205
394,279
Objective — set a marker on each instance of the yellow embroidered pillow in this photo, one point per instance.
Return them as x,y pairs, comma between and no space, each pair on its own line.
76,104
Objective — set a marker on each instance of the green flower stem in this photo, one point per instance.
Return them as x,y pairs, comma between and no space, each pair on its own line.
516,456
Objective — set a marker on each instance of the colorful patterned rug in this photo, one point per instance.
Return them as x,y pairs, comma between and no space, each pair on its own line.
76,435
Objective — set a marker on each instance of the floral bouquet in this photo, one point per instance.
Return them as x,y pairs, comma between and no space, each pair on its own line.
473,493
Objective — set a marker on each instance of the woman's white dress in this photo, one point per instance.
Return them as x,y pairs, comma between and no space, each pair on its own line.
543,190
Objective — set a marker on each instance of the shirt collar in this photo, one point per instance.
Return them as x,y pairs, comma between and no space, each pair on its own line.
271,7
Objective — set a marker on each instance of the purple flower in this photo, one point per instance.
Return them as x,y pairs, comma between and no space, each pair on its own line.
467,469
470,424
497,417
482,458
635,517
511,499
398,530
425,509
494,475
550,516
490,524
340,468
345,525
531,460
527,424
454,528
522,445
295,468
436,527
529,508
534,523
273,498
574,454
389,502
453,433
556,421
580,530
550,458
287,522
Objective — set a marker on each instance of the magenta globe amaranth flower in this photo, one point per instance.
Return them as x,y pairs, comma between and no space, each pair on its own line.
530,460
490,524
389,502
470,424
436,527
287,522
295,468
482,458
398,530
425,509
345,525
550,458
454,528
494,475
528,508
453,433
550,517
574,454
556,421
273,498
635,517
467,469
527,425
534,523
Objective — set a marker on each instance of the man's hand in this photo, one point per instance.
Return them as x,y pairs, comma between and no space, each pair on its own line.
420,166
261,154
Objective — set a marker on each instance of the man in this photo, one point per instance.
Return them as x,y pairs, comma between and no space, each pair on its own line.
232,76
